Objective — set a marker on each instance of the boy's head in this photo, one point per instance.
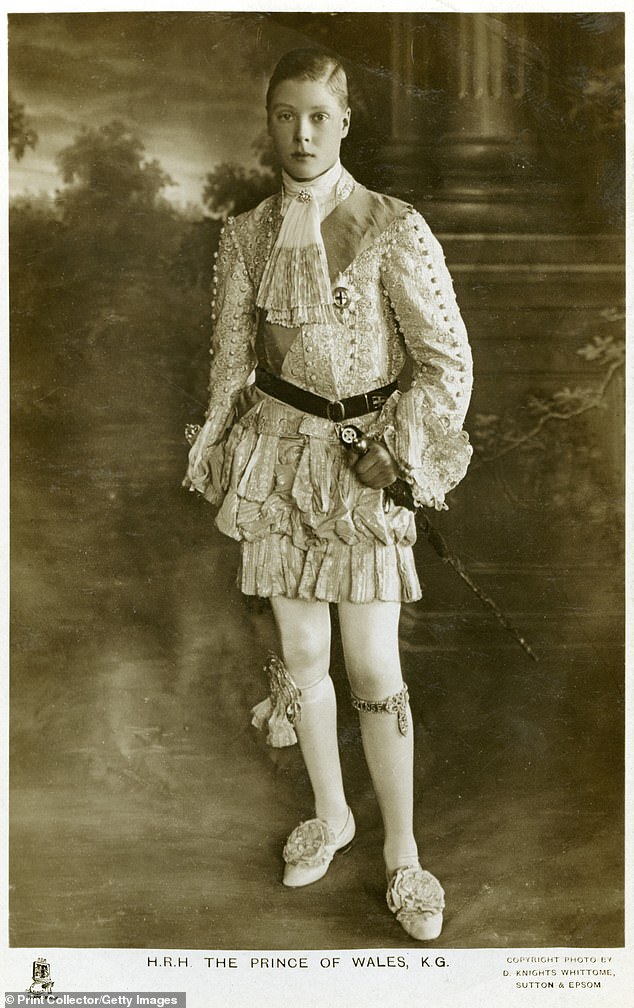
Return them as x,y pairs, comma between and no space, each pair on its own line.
310,64
308,114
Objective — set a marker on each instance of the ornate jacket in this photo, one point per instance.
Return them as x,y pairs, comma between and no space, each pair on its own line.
394,316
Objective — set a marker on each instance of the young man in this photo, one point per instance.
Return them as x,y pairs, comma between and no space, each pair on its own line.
327,289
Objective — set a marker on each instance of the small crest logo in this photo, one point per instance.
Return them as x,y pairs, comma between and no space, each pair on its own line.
344,296
41,983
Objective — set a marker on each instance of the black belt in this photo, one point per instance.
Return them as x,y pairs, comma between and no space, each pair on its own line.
308,402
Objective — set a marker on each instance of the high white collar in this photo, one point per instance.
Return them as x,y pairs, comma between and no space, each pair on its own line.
320,187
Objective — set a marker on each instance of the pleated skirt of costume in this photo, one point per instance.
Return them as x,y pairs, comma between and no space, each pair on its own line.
308,528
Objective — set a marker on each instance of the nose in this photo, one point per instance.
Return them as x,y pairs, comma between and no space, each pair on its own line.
302,130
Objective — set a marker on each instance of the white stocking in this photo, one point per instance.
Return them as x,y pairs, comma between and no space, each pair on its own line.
370,641
304,632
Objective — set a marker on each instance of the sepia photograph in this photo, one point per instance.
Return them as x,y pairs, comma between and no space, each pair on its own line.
317,405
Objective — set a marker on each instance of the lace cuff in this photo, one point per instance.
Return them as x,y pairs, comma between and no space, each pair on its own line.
206,462
431,456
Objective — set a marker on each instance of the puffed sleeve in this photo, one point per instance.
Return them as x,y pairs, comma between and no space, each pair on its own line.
233,316
423,425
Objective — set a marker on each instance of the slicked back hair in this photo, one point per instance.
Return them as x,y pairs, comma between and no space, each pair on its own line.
310,64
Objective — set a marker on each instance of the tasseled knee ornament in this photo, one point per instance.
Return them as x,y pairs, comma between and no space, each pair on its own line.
281,709
396,704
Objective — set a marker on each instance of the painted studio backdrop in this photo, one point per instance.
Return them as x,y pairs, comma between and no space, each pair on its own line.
146,811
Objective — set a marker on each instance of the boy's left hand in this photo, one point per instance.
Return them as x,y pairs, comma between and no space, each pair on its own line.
376,467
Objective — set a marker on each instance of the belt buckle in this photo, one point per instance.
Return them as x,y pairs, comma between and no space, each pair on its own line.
341,411
377,401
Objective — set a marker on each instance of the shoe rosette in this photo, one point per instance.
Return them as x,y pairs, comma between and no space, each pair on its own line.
413,893
310,843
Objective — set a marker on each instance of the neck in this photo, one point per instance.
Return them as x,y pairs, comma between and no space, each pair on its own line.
330,176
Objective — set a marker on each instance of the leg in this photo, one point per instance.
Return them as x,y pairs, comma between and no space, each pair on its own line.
370,641
369,635
304,632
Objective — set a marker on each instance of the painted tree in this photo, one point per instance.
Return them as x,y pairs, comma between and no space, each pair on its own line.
21,134
105,170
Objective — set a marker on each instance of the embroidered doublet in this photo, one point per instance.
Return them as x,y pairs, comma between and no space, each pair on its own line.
307,526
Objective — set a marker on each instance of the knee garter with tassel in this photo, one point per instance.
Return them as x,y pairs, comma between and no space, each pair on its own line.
281,709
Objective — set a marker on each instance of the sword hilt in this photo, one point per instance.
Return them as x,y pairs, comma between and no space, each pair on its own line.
353,438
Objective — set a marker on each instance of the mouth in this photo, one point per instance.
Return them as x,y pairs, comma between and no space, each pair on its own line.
302,155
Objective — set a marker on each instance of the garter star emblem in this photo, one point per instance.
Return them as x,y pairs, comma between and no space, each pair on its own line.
343,295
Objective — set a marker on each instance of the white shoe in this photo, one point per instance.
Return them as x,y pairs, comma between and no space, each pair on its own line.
311,847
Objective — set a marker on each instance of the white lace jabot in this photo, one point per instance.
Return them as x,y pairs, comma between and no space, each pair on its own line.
295,286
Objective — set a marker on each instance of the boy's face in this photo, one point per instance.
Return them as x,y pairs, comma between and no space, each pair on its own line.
306,125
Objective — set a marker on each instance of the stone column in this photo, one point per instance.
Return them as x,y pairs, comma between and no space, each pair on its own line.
475,165
488,165
408,78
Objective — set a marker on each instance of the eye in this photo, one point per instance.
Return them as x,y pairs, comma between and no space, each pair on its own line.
284,116
320,116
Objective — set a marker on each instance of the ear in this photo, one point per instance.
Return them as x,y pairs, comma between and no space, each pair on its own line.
345,123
